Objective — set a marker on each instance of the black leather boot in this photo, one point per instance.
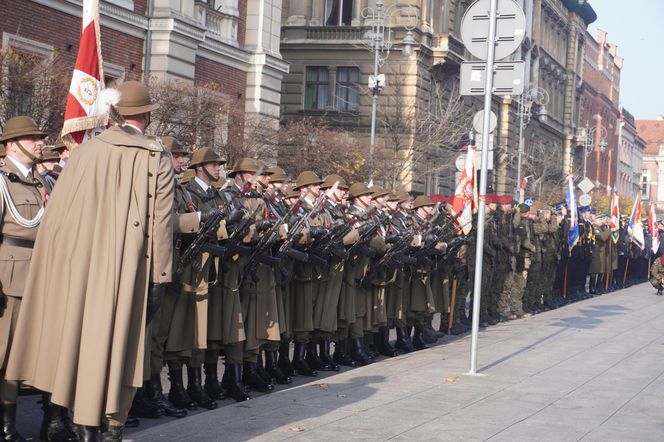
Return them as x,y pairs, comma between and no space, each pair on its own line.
232,382
325,356
159,398
358,354
144,406
195,389
272,367
403,341
112,434
56,425
212,384
262,372
384,347
313,359
132,422
284,359
88,434
254,380
299,362
342,355
178,395
418,341
8,416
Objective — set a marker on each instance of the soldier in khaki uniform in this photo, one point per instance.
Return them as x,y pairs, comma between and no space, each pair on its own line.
87,316
23,195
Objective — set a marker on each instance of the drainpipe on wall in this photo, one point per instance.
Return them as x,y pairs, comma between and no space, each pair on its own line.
148,41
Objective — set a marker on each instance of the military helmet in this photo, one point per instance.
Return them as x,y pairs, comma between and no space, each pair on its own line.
205,155
402,196
134,99
358,189
306,178
187,176
422,201
174,145
48,154
3,151
18,127
59,145
329,181
377,192
524,208
248,165
292,193
277,174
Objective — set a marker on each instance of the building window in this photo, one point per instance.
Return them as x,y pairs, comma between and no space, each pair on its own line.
316,88
347,90
645,186
338,12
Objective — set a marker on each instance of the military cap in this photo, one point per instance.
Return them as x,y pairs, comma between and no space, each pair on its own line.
260,164
187,176
48,154
402,196
422,201
59,145
331,179
603,215
277,174
584,209
505,199
358,189
306,178
205,155
134,99
174,145
18,127
438,198
292,193
248,165
524,208
491,198
377,192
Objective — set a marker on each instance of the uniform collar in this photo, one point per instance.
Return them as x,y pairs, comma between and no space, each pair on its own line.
205,186
21,168
133,127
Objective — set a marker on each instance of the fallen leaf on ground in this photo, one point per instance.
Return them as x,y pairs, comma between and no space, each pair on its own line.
450,379
296,429
323,386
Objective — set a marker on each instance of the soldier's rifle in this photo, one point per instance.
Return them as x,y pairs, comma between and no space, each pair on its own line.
393,259
196,247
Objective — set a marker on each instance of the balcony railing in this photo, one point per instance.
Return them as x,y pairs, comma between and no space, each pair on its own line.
338,33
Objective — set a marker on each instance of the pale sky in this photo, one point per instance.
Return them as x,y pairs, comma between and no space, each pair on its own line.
637,28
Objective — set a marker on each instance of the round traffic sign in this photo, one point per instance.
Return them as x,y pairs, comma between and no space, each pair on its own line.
510,28
585,200
478,121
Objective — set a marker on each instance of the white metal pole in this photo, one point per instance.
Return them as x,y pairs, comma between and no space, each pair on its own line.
520,152
378,42
488,93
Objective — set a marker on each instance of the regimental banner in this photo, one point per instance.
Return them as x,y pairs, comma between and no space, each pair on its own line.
573,232
82,122
635,227
615,218
652,228
465,196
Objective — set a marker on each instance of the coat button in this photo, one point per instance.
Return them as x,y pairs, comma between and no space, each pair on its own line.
152,154
149,195
150,174
163,273
135,223
147,256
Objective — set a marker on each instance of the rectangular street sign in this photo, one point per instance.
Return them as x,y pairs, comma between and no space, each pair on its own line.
507,78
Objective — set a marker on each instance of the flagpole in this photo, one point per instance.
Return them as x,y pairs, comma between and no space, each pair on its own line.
486,129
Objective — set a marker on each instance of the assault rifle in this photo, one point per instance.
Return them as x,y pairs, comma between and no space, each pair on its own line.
195,249
395,258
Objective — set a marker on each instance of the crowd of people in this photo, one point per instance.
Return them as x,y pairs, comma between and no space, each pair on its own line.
242,277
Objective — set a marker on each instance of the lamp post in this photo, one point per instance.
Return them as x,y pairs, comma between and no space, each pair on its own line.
380,43
589,142
535,95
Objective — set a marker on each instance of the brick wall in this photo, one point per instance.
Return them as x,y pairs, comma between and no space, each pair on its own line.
36,22
231,82
141,6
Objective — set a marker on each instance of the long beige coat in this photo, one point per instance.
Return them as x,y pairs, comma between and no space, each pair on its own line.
106,234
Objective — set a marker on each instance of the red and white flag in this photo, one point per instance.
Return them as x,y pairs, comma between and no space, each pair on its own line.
82,119
615,218
465,197
652,228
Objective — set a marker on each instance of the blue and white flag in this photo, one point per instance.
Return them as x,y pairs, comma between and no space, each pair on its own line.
573,233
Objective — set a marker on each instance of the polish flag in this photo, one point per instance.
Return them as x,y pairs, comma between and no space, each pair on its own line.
82,118
465,199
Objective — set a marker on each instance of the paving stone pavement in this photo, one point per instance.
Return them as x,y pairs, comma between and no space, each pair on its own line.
591,371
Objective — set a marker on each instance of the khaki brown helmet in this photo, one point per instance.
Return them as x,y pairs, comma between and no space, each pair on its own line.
18,127
402,196
306,178
205,155
48,154
248,165
358,189
187,176
134,99
378,191
262,165
329,181
3,151
174,145
292,193
59,145
422,201
277,174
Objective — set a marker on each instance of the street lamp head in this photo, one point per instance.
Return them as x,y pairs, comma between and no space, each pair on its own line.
543,114
603,145
407,43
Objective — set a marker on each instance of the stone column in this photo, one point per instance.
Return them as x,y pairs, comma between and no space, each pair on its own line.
332,87
503,143
298,12
358,5
567,154
317,13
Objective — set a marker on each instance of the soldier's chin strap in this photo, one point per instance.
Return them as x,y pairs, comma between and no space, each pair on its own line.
25,151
